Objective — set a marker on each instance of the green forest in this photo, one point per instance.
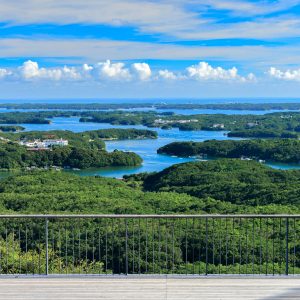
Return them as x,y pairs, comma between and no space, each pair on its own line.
85,149
276,150
271,125
234,245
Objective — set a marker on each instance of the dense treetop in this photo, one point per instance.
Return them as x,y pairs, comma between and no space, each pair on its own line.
279,150
232,180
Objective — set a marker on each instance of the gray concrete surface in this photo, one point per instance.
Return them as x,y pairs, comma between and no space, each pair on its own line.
148,288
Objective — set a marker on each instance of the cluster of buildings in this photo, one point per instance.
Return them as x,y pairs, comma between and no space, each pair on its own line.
44,144
162,121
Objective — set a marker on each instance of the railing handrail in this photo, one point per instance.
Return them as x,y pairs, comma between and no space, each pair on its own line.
150,216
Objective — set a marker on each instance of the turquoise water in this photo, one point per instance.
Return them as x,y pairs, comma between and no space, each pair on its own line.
145,148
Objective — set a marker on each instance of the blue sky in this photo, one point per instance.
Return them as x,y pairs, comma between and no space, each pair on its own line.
149,49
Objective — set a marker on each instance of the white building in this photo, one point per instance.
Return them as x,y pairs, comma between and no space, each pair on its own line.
60,142
44,143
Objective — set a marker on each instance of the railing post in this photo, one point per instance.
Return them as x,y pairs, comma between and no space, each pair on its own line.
46,245
287,246
206,246
126,247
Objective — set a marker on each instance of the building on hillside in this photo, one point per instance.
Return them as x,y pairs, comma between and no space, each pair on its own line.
44,144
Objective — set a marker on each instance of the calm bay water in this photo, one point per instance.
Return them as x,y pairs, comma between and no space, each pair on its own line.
145,148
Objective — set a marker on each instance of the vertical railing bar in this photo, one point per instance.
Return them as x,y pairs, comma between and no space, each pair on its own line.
66,247
53,251
126,247
199,246
6,245
39,242
233,243
79,249
220,245
159,244
193,245
20,250
213,241
260,246
206,246
106,258
273,247
294,248
139,265
73,247
166,227
280,246
267,244
13,249
153,246
47,246
173,246
240,245
247,245
146,258
86,250
99,249
26,248
287,247
226,245
253,244
186,246
112,244
119,244
133,245
93,250
33,248
59,246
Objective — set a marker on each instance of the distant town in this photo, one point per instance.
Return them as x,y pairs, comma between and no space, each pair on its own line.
38,144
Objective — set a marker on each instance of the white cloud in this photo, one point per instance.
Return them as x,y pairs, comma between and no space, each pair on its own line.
292,75
142,70
171,18
4,73
109,70
166,74
204,71
30,70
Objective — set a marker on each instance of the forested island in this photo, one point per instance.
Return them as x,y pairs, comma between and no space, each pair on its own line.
15,157
276,150
11,128
230,105
80,150
231,180
281,125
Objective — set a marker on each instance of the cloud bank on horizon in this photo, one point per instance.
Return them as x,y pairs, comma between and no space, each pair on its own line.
145,48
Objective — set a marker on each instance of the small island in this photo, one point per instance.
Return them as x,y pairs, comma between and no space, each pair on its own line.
276,150
66,149
11,128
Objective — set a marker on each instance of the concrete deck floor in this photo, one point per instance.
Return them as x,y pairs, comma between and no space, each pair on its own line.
148,288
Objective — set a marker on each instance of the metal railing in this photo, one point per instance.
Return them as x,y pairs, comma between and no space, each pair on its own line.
150,244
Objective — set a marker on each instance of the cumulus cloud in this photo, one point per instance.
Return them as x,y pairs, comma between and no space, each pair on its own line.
118,71
4,73
142,70
30,70
292,75
166,74
111,70
204,71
